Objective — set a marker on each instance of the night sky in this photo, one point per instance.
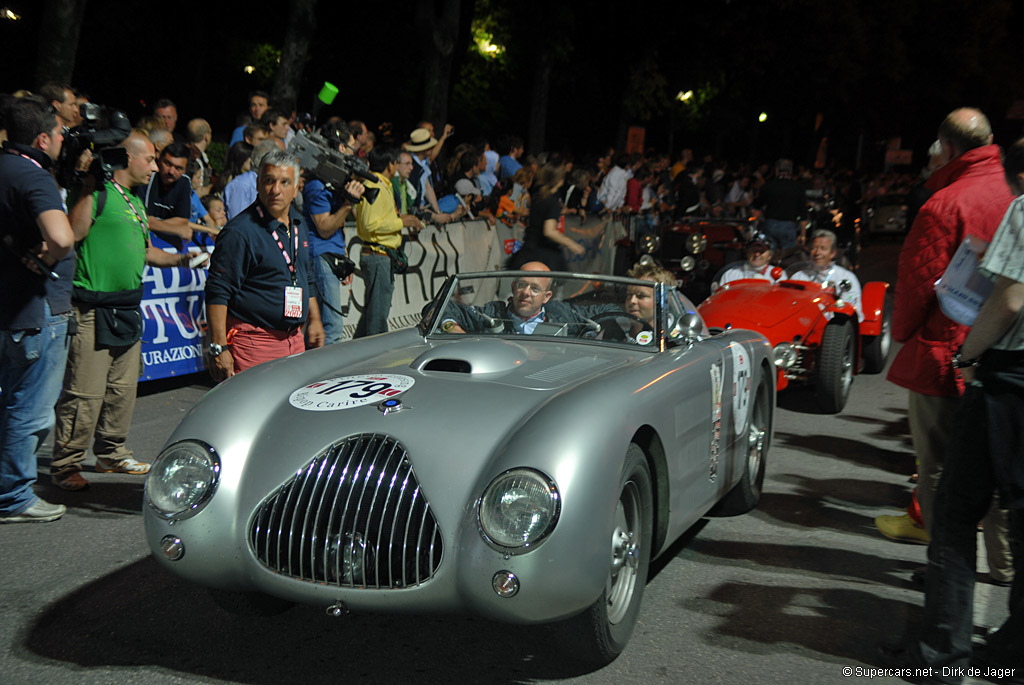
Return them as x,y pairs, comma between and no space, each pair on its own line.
872,69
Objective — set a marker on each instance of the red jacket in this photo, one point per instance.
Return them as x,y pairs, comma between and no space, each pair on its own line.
971,197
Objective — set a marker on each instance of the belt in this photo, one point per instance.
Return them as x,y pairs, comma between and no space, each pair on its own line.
376,250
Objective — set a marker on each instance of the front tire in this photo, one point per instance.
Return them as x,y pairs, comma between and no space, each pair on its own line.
598,635
835,367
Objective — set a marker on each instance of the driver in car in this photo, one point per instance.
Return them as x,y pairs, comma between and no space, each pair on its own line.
823,268
758,264
529,308
640,300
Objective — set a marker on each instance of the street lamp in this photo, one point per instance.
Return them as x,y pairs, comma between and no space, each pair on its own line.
762,117
684,97
9,14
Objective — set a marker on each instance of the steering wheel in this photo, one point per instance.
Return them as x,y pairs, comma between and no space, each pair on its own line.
618,331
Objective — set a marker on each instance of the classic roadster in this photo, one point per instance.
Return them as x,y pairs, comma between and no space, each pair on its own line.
815,334
524,469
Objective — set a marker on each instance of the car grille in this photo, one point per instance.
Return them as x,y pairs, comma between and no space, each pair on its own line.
353,517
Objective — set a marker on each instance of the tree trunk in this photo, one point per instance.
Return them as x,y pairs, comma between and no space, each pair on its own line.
301,25
58,41
440,18
539,106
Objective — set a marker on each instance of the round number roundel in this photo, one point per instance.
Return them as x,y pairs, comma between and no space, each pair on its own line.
346,392
741,379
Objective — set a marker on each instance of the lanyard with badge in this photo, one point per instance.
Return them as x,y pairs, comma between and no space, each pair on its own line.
292,293
142,222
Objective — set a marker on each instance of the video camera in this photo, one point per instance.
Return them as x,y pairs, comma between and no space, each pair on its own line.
331,167
101,129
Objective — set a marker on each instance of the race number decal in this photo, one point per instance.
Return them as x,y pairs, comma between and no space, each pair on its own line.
716,420
741,379
349,391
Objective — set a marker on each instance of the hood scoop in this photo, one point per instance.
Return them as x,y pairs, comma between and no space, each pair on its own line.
473,356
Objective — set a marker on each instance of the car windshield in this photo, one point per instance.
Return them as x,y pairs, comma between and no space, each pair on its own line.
598,309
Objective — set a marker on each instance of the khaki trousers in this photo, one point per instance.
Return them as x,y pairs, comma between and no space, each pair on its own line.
98,398
931,422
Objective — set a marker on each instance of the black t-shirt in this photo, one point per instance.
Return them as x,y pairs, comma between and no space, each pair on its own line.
782,199
172,202
27,190
542,208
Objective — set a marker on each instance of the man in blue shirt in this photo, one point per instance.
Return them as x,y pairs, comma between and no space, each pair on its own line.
326,212
34,307
508,165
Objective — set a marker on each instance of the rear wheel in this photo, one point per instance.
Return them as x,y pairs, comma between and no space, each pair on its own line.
876,347
601,632
745,495
835,367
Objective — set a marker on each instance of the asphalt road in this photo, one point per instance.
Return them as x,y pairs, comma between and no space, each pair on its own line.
795,592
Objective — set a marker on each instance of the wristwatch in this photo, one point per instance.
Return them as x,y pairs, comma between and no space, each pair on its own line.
960,363
216,349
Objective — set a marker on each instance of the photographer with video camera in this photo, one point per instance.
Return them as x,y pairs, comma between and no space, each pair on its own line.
113,247
36,266
326,212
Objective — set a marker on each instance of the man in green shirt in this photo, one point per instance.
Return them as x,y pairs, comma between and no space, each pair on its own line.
113,247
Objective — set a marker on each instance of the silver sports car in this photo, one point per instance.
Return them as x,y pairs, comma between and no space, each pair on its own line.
521,455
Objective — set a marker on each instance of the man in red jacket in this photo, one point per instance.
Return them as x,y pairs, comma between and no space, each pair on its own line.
970,196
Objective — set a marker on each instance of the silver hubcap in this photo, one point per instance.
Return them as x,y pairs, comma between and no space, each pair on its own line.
755,450
625,554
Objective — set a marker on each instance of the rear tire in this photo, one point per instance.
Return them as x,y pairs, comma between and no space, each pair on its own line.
745,495
835,367
598,635
876,347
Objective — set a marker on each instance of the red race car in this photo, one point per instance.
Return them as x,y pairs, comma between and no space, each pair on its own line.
814,331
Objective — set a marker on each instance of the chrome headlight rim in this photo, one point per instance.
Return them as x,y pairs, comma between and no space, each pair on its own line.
785,355
536,541
696,243
214,480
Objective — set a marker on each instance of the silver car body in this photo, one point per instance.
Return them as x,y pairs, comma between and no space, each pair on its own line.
567,408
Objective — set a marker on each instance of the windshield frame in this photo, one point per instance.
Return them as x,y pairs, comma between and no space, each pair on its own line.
430,326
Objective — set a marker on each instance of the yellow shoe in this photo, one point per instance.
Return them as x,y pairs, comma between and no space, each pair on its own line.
902,528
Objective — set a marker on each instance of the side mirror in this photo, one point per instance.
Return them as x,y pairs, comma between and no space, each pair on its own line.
844,286
687,329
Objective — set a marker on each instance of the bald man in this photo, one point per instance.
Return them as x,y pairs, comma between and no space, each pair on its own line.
971,196
529,307
103,361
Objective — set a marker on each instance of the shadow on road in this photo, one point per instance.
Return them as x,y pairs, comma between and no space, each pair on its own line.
842,623
108,623
807,560
849,450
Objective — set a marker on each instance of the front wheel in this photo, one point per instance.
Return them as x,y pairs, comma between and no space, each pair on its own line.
599,634
835,367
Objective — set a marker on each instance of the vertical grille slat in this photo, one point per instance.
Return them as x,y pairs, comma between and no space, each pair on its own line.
353,517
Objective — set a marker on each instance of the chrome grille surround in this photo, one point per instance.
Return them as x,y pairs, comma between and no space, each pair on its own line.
352,517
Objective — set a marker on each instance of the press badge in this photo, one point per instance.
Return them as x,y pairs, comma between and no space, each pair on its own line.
293,302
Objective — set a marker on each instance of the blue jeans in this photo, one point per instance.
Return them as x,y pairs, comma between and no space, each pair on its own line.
31,370
782,232
328,295
379,284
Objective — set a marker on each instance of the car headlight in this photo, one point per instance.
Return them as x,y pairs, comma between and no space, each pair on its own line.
786,355
518,509
687,263
182,479
696,243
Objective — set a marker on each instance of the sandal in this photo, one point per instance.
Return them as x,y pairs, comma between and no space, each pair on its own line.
126,465
72,482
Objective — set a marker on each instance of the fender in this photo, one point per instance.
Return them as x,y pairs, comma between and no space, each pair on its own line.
872,302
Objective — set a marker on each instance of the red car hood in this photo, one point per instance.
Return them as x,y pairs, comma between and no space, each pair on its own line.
777,311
